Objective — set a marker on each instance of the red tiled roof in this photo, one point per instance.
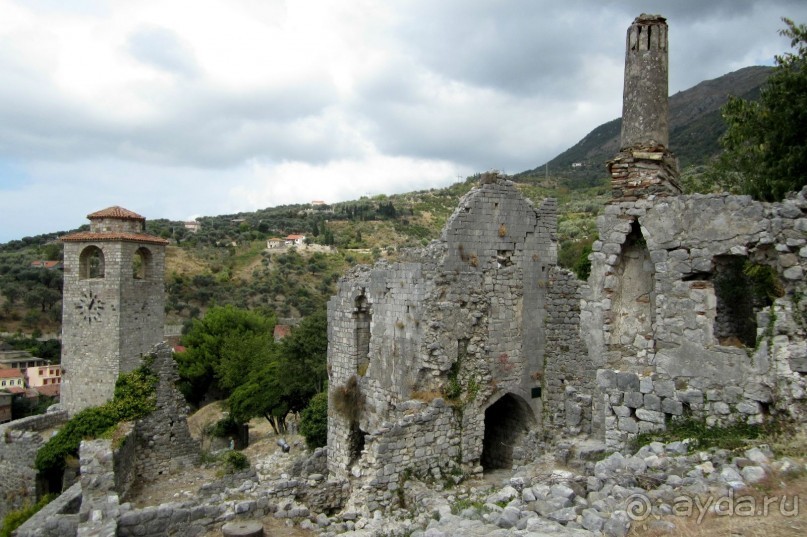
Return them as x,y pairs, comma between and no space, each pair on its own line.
51,390
179,349
10,373
281,331
115,212
103,236
44,264
294,237
15,389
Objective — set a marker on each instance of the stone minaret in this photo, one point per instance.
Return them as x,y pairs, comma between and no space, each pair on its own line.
644,165
113,304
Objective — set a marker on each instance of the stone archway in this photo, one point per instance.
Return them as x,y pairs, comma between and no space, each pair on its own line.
506,422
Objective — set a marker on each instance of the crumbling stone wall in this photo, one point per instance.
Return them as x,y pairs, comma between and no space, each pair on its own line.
460,323
569,375
164,442
682,354
19,442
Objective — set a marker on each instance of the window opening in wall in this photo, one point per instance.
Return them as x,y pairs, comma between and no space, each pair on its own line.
91,263
535,393
742,290
504,258
141,264
506,422
355,442
361,323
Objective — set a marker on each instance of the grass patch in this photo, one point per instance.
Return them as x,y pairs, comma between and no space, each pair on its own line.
17,518
704,436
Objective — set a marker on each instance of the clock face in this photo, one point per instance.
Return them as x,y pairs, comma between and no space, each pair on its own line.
90,306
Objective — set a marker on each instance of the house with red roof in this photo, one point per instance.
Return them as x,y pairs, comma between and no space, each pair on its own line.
49,265
295,240
11,378
281,331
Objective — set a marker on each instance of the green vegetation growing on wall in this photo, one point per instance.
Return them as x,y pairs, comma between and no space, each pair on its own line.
135,398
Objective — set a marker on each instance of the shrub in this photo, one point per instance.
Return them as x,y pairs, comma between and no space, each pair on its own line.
134,399
226,426
235,461
348,399
314,421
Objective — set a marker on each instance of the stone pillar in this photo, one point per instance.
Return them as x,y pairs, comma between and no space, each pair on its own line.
644,102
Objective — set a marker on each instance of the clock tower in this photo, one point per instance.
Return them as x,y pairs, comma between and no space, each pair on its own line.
113,305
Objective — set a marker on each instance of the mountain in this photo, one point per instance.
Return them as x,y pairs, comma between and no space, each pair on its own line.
695,129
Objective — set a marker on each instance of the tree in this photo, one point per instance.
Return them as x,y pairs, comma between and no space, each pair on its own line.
222,348
303,358
288,381
261,395
765,145
314,421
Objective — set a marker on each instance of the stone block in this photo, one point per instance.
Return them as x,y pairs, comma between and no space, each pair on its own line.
633,399
627,382
664,388
606,379
628,425
652,402
646,385
621,411
690,396
650,415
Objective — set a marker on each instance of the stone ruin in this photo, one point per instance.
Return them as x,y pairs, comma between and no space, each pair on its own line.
478,352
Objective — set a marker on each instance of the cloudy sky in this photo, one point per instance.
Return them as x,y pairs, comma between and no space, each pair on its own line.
183,108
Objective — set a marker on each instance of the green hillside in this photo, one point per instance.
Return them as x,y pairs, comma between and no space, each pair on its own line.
227,261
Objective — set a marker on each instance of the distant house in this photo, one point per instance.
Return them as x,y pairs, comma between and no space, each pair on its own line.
193,226
281,331
5,406
295,240
274,242
44,375
50,265
22,360
317,203
12,378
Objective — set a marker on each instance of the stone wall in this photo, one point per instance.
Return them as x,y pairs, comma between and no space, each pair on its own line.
19,442
461,321
694,353
424,442
164,444
569,374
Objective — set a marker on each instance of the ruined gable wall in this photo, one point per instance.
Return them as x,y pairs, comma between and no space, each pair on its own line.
164,442
462,319
681,363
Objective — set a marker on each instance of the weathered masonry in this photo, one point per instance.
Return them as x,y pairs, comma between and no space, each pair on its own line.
478,352
113,304
438,361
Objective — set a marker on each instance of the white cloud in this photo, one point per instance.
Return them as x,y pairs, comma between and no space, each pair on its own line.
181,107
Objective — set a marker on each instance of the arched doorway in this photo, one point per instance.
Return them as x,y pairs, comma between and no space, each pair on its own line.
506,422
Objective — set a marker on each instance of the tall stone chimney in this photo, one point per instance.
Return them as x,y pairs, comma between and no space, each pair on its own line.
644,100
645,166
